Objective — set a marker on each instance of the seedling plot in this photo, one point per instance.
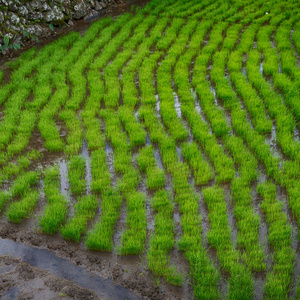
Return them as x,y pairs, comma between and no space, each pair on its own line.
213,88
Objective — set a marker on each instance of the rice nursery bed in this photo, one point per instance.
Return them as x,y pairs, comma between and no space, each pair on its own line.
161,149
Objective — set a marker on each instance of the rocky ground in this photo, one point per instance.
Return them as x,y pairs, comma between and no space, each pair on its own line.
22,21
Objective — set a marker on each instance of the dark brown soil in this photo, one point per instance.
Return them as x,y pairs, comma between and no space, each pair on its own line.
129,271
19,280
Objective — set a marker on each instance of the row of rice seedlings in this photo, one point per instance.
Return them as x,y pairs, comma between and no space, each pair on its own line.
75,133
164,83
203,172
28,117
280,80
26,56
76,173
136,133
21,186
198,10
100,237
285,128
76,76
156,7
246,11
285,50
177,7
78,81
202,87
273,100
162,241
110,50
248,236
11,169
147,163
84,211
240,123
296,37
47,125
96,87
56,209
256,142
26,68
100,176
240,9
247,221
279,278
253,103
203,273
219,237
42,91
111,72
224,166
134,236
129,90
12,110
95,139
21,209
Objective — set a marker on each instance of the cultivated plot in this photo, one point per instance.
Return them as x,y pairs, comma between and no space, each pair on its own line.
170,134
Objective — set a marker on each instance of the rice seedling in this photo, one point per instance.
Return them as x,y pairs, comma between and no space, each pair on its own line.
100,237
55,211
21,209
203,172
134,237
101,177
219,237
155,175
211,86
162,241
280,233
85,210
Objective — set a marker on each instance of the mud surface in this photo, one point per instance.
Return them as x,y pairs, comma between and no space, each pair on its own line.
20,280
64,259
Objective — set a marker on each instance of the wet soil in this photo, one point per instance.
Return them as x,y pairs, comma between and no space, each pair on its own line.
129,272
20,280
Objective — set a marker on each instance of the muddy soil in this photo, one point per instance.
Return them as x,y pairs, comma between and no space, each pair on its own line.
19,280
129,272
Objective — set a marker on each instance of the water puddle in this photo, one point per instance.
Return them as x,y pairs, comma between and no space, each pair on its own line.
64,182
296,134
88,172
261,68
45,260
148,140
110,160
157,106
177,105
137,116
179,153
158,158
213,90
244,71
271,140
198,107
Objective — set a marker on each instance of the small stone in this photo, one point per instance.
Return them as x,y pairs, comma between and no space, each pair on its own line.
23,10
